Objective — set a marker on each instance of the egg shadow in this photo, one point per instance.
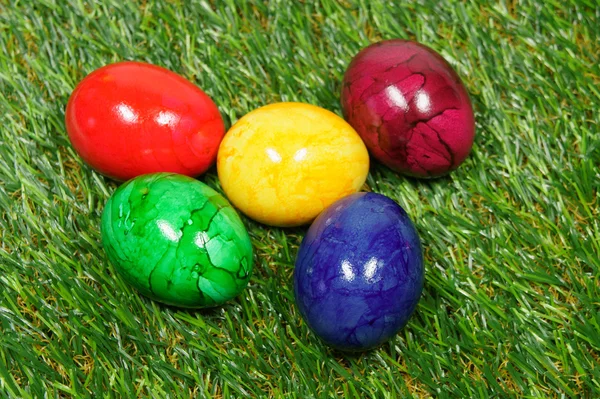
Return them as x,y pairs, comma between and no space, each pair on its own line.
204,312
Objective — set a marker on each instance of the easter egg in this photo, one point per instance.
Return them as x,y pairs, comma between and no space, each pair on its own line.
177,241
359,272
132,118
284,163
410,107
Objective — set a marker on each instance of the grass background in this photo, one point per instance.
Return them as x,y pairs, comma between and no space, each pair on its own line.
511,303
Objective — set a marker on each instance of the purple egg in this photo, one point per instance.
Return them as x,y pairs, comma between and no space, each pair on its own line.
410,108
359,272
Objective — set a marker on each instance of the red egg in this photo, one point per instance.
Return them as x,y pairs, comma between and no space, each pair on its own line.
410,107
131,118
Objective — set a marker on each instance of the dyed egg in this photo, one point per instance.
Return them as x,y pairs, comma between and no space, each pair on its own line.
132,118
359,272
284,163
177,241
410,108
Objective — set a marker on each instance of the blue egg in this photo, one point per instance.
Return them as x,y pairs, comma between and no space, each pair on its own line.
359,272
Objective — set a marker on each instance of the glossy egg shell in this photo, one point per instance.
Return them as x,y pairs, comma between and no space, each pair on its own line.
359,272
283,163
410,107
177,241
132,118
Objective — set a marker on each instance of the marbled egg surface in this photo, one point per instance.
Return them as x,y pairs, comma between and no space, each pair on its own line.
177,241
410,107
359,272
283,163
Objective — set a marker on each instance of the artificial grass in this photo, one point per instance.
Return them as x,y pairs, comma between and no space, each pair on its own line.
511,239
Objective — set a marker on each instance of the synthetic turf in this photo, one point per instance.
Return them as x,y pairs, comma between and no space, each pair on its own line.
510,307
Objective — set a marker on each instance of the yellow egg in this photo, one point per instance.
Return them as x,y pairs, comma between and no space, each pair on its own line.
284,163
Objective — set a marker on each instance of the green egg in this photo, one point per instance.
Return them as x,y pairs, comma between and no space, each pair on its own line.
177,241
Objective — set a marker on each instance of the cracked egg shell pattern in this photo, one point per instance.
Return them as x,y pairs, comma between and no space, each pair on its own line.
410,107
283,163
177,241
359,272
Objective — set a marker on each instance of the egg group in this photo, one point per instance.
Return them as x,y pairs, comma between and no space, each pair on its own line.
359,271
